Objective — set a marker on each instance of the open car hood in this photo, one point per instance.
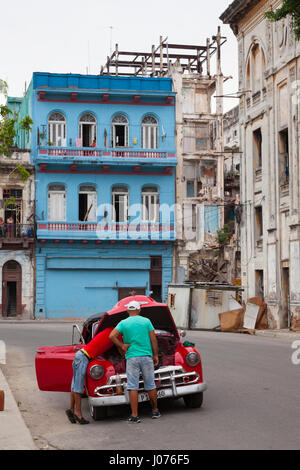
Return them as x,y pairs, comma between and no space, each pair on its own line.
158,313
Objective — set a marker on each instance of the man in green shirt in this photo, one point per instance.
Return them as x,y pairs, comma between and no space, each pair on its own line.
141,353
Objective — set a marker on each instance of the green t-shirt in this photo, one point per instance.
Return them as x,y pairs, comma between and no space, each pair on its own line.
135,331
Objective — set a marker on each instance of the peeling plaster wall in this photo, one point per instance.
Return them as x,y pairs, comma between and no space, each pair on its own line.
199,161
24,257
272,107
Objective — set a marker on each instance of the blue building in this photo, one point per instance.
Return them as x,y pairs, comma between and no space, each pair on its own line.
104,154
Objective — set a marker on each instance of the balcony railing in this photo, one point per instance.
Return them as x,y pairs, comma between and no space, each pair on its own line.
16,231
101,231
105,154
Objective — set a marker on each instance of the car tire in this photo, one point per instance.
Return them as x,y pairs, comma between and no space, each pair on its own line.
98,412
193,401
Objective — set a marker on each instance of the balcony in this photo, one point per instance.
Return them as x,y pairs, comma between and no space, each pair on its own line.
14,236
89,155
87,231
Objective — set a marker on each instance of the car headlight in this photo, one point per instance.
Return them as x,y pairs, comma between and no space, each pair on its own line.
192,359
96,372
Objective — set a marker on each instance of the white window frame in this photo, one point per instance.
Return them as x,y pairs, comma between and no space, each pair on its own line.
120,191
56,127
150,205
92,123
56,196
123,121
150,132
92,199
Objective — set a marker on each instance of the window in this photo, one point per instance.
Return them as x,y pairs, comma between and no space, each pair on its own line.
257,148
259,283
256,63
87,203
120,131
284,157
120,199
87,129
202,136
190,188
150,205
57,203
13,204
57,130
149,132
255,71
197,137
258,223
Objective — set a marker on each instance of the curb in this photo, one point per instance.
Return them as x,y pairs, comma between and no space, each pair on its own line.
278,334
14,434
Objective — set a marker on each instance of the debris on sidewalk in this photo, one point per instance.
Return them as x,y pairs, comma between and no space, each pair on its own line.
296,326
246,319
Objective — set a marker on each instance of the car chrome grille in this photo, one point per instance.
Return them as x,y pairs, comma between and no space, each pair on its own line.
165,377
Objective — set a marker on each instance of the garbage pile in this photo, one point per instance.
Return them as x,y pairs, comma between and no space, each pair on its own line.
246,319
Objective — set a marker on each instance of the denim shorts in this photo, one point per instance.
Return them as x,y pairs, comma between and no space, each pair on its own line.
80,364
140,365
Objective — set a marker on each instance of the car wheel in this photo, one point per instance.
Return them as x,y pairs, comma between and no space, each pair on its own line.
193,401
98,412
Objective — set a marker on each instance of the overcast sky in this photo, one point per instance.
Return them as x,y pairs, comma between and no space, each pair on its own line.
68,36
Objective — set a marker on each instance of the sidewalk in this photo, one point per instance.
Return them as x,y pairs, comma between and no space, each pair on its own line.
14,434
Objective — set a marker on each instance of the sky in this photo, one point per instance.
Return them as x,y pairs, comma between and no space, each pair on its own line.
76,36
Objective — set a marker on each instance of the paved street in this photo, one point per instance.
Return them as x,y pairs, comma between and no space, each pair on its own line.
252,401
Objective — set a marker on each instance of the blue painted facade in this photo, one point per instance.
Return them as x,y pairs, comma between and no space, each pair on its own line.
83,266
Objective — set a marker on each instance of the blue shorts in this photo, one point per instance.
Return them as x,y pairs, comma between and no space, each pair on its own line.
80,364
140,365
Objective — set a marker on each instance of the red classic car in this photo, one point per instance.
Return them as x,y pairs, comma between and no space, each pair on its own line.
179,373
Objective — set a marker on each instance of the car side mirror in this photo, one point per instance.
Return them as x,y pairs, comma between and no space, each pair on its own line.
182,333
76,332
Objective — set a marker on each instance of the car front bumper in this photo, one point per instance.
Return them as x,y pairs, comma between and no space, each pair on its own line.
172,392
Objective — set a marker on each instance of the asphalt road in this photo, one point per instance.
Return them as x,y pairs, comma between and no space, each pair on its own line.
252,401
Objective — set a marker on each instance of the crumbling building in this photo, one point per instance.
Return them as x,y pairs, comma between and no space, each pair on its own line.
198,83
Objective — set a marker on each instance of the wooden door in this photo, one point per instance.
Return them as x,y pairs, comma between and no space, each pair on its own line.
11,289
124,292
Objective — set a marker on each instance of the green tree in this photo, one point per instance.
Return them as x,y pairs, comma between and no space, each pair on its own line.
288,8
9,128
223,235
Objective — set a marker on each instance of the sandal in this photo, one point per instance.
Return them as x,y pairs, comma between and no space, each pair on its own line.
71,416
81,420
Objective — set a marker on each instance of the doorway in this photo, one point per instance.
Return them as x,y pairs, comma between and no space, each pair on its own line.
156,278
124,292
286,297
11,289
87,129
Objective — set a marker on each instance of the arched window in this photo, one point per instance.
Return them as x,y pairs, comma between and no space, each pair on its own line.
150,204
88,130
87,203
120,131
120,203
255,69
57,202
57,129
149,132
